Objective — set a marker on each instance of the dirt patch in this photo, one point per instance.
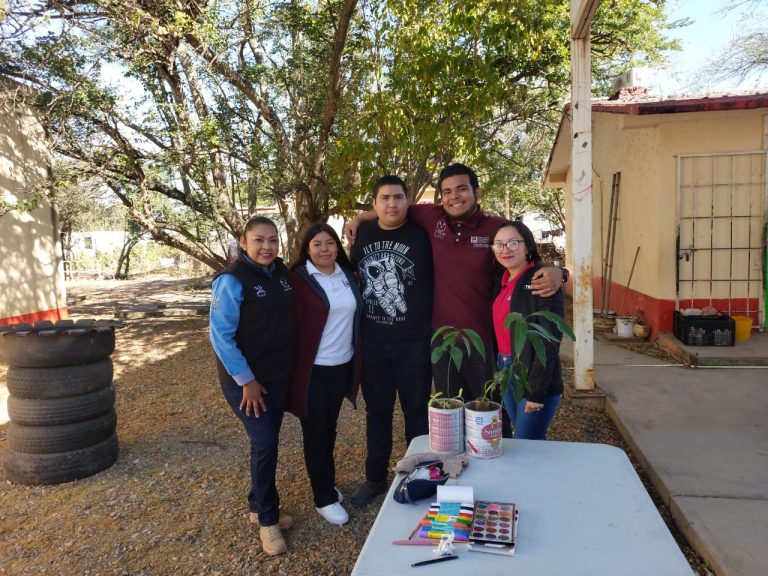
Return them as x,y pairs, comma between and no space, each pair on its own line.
175,501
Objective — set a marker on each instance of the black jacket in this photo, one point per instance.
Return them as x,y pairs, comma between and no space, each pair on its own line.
544,380
265,334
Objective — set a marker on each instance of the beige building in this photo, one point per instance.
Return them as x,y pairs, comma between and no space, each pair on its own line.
31,278
688,181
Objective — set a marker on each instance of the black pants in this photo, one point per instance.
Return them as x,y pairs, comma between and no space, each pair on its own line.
263,433
474,373
389,370
327,387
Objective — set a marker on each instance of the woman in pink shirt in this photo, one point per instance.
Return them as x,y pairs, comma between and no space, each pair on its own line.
515,250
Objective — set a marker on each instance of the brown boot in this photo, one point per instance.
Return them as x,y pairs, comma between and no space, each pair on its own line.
285,522
272,541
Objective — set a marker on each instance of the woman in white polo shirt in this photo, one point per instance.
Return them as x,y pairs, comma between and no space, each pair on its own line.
328,309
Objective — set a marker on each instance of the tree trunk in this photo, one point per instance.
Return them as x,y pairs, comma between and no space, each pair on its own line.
298,217
124,260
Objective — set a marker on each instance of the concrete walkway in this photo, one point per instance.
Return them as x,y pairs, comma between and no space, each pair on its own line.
753,352
701,434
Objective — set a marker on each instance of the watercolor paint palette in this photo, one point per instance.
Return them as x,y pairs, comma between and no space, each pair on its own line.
494,528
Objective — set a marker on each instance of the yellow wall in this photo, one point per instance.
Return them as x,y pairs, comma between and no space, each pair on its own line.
31,279
644,149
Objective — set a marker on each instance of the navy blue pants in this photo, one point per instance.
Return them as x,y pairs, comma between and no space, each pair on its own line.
389,370
263,433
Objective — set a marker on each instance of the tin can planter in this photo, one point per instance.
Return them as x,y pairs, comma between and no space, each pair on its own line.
446,427
482,423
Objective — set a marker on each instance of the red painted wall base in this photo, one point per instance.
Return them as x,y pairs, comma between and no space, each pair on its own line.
658,313
52,315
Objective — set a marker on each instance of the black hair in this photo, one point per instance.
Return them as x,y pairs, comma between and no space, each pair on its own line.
389,180
318,227
254,221
457,169
525,232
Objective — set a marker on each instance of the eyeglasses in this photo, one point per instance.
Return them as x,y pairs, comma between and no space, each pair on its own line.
509,245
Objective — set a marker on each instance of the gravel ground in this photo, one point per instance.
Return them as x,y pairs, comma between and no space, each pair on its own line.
174,503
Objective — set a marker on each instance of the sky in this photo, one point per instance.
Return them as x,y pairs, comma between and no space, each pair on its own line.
710,32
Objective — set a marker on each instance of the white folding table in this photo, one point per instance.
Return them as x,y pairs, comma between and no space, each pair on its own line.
583,511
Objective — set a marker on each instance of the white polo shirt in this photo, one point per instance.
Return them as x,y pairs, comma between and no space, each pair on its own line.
336,342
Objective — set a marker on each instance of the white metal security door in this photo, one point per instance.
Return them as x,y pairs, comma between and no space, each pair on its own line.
721,217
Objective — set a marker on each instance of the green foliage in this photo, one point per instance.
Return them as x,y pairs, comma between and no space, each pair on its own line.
484,82
511,184
628,33
499,381
455,342
84,205
526,332
436,400
23,206
191,115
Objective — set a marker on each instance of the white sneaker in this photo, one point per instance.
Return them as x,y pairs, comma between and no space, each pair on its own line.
339,494
334,513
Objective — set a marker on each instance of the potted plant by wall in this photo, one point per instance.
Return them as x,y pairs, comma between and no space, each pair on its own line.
446,414
641,328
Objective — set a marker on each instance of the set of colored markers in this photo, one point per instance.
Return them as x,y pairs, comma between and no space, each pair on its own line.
446,518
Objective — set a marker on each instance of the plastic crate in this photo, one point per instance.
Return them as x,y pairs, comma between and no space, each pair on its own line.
704,330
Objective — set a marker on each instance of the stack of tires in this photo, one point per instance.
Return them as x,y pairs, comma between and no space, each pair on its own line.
61,402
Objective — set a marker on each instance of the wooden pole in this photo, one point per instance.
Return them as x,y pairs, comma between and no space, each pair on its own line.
614,216
582,13
626,289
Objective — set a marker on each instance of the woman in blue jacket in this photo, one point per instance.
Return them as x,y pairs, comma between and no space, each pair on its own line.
515,250
328,309
252,334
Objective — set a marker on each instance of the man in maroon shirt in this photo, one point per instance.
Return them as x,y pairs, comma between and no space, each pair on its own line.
460,233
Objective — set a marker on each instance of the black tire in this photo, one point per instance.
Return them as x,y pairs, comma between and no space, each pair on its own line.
23,468
61,382
36,351
64,438
56,411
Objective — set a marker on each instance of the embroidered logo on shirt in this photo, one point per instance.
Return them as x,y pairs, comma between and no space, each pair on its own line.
440,228
345,282
285,285
260,292
215,303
